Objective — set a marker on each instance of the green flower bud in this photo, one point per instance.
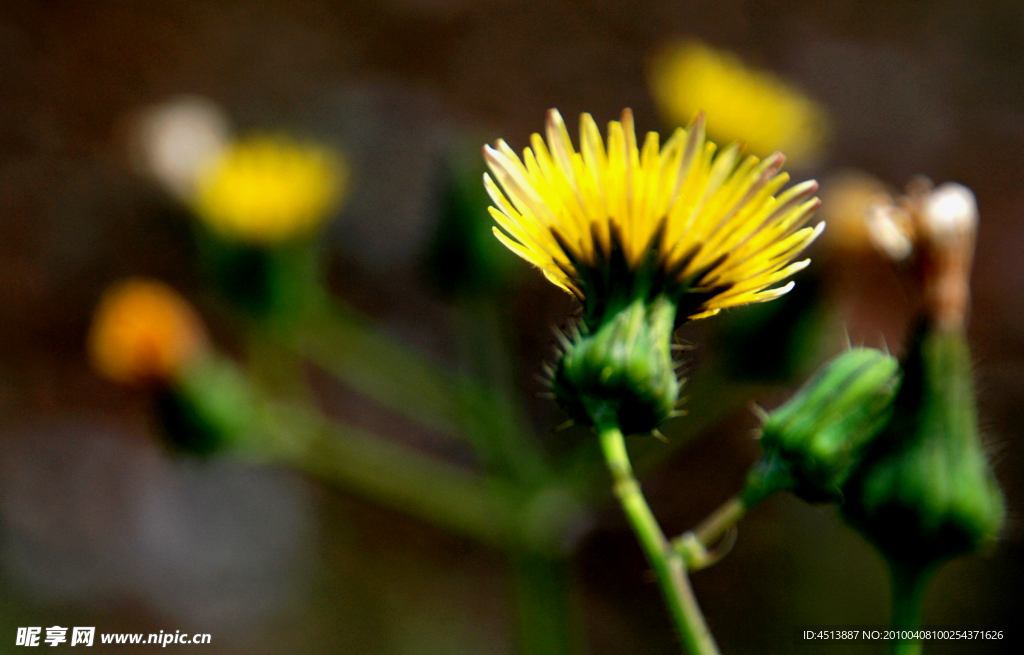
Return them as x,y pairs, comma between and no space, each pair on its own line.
208,407
813,442
925,491
624,367
265,280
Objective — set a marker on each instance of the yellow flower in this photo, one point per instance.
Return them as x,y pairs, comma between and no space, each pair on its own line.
144,331
744,104
684,221
269,189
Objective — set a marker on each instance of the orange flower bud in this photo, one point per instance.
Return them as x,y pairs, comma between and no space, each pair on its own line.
143,330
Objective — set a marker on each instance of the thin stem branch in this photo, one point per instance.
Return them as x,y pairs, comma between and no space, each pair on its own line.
667,565
721,521
487,508
360,354
718,528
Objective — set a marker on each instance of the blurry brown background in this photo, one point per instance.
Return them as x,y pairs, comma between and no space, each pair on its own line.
99,526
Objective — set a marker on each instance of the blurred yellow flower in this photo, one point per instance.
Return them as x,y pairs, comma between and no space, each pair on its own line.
265,190
742,104
143,330
710,226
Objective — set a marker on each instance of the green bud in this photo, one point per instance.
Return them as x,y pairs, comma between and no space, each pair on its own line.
265,280
623,368
813,442
210,406
925,491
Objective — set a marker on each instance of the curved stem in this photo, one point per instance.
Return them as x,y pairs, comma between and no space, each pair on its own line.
667,565
721,521
718,528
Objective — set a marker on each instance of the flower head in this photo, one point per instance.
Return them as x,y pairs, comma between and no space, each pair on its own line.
642,237
702,227
144,330
743,103
269,189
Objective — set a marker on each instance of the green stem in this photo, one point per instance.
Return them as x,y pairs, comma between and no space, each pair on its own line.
649,454
543,590
721,521
908,585
667,565
493,420
360,354
350,347
484,507
394,475
693,545
274,368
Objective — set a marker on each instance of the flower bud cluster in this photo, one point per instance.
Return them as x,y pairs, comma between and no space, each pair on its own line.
905,458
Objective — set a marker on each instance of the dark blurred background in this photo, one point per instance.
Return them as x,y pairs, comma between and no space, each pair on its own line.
99,525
